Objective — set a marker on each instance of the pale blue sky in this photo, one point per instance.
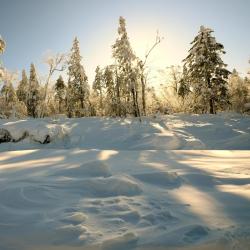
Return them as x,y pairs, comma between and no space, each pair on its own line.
32,27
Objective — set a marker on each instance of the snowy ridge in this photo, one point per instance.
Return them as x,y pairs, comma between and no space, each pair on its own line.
223,131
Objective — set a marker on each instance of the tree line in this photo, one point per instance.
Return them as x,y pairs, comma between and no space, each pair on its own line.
202,85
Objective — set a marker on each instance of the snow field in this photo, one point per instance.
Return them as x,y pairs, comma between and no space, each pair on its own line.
67,193
76,200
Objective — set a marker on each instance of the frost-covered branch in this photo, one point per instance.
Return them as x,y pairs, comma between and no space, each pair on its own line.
56,63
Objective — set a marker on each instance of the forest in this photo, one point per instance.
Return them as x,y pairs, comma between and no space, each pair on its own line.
202,84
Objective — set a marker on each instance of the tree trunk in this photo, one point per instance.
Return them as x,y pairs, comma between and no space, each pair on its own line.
211,100
101,102
143,94
118,112
135,101
60,105
211,106
137,105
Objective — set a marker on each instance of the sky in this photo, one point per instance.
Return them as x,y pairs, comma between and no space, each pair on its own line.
31,28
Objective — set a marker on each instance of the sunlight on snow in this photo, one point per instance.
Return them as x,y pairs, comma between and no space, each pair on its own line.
242,190
203,205
105,155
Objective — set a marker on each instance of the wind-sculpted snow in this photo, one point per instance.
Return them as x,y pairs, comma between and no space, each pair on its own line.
62,191
88,169
90,199
170,132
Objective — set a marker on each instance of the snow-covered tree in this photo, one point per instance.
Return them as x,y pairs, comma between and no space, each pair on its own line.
98,87
8,99
2,48
142,72
184,84
111,97
23,88
60,96
207,72
34,95
55,63
126,81
78,89
2,45
8,93
9,104
238,90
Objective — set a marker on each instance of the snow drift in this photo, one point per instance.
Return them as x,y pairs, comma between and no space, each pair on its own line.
42,131
170,132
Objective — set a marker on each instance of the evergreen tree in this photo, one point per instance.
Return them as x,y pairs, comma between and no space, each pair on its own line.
33,93
98,86
8,93
126,82
238,89
109,84
184,84
78,89
207,72
9,105
22,89
60,89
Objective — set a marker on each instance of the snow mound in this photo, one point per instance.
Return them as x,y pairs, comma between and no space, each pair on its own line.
70,235
123,242
112,186
99,186
194,233
131,216
89,169
163,179
182,236
164,216
46,133
4,135
75,218
38,131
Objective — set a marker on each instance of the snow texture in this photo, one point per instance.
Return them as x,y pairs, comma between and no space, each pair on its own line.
69,194
172,132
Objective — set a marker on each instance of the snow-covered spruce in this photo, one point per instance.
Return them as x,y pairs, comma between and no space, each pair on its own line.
206,73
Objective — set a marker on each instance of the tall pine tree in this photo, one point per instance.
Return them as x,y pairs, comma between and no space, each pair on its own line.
126,82
22,89
60,89
109,84
78,89
34,96
207,72
98,86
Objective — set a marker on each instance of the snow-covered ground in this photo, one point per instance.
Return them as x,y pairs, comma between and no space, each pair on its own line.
172,132
116,184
